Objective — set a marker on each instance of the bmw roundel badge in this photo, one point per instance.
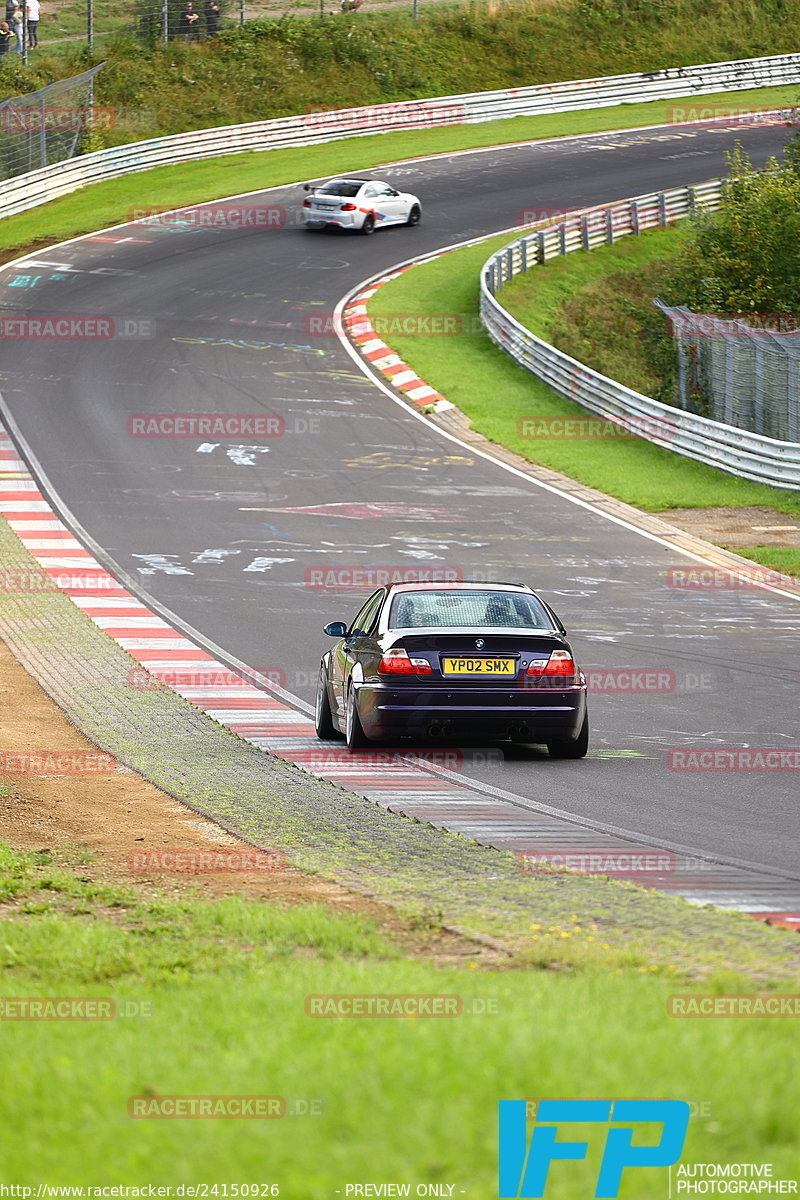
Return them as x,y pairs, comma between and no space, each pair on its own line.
479,643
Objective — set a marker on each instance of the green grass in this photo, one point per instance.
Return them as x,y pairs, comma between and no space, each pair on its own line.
785,559
107,203
496,395
405,1100
539,297
294,63
596,306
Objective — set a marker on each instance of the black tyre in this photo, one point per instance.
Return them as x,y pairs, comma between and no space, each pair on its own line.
415,216
323,719
576,749
356,738
369,225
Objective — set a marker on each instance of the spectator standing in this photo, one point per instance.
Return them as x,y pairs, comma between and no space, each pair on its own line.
18,27
5,38
212,17
32,9
188,22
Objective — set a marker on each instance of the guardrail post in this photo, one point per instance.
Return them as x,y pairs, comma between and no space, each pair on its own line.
662,210
793,415
523,256
610,226
562,238
585,231
635,217
758,398
691,200
42,136
510,258
540,247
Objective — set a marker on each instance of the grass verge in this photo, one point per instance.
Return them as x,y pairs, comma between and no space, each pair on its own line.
498,396
785,559
103,204
413,1099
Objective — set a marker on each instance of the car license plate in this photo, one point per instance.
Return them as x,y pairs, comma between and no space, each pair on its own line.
479,666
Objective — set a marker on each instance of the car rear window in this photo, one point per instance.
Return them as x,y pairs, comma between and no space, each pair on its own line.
413,610
340,188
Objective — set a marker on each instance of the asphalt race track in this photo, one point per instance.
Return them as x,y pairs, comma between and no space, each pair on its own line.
224,535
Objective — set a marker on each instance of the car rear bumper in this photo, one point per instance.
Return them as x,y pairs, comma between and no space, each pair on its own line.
488,713
318,220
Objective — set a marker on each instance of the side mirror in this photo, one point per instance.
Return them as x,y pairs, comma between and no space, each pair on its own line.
306,187
336,629
394,193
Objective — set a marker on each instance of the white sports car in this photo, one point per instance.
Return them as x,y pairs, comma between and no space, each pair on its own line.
362,204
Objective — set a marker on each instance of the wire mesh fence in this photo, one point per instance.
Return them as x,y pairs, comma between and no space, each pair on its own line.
45,127
745,373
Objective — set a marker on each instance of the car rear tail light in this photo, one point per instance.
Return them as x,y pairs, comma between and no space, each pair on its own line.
560,662
397,662
306,204
348,208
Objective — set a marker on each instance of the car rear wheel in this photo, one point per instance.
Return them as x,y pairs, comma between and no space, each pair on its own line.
576,749
323,721
369,225
415,215
356,738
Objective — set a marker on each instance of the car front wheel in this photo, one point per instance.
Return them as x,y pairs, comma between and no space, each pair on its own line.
323,721
356,738
415,215
369,225
576,749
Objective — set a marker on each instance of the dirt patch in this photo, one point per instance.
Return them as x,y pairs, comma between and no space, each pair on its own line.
116,813
7,256
732,527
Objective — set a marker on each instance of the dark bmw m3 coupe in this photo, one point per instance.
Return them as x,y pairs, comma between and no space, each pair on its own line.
486,662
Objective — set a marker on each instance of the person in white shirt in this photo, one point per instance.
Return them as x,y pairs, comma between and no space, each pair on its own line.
32,10
18,27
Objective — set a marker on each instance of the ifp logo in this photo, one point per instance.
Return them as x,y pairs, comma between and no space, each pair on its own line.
524,1166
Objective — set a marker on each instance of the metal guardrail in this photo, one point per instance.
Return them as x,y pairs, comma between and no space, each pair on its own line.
737,451
38,187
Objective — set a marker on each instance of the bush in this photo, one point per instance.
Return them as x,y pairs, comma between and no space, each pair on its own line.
745,258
